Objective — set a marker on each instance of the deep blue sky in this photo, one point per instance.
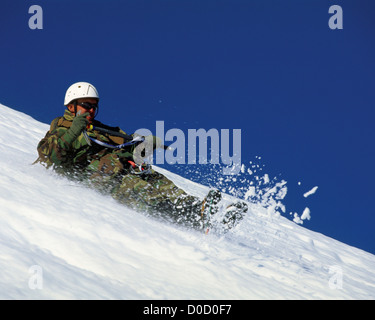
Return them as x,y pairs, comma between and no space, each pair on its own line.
302,94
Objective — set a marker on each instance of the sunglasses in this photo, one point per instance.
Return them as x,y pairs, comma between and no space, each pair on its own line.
88,105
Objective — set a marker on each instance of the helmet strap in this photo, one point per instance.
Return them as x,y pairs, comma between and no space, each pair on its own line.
96,112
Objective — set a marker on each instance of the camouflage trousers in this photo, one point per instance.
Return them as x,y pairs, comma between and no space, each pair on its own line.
152,192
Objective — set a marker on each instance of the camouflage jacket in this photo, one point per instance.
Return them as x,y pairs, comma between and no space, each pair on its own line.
56,150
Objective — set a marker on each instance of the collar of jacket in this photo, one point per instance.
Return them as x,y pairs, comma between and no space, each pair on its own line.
68,115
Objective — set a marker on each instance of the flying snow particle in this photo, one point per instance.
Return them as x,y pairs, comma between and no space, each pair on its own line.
266,178
309,193
297,219
306,214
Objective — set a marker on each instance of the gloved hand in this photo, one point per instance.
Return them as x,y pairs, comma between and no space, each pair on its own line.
156,142
78,125
145,149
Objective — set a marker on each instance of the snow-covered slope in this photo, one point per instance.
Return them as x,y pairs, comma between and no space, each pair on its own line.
59,240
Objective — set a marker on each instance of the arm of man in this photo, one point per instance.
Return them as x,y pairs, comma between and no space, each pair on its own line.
60,142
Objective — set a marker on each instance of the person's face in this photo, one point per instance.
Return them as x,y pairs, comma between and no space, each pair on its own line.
85,105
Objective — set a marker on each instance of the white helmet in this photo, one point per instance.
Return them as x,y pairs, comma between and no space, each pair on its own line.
80,90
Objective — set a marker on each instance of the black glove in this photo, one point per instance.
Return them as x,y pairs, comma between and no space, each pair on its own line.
153,141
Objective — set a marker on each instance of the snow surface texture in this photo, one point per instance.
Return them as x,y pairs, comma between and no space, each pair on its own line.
59,240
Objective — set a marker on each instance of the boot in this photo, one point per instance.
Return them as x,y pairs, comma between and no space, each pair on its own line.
234,214
210,206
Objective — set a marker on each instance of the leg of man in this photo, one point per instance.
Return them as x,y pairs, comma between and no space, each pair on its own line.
156,194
